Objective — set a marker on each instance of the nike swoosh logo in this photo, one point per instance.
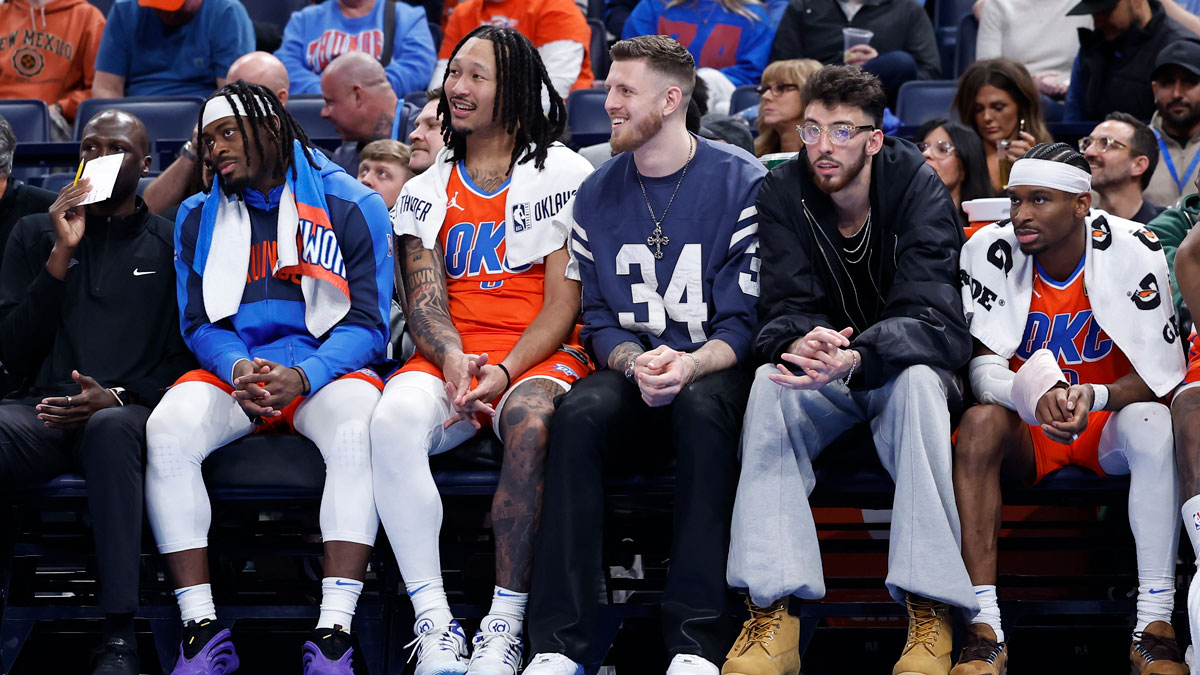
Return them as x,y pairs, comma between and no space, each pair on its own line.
1156,591
348,583
139,273
509,595
412,593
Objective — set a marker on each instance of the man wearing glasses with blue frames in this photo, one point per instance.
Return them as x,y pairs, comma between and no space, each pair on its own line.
861,323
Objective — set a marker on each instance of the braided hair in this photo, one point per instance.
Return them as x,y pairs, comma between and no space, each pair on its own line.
520,73
1058,152
274,118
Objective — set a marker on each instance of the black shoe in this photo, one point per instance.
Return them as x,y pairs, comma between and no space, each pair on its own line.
116,657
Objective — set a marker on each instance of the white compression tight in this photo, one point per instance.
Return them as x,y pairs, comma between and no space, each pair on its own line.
196,418
1138,441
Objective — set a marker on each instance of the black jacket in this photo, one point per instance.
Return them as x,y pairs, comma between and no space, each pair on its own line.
1116,75
115,317
915,241
20,200
812,29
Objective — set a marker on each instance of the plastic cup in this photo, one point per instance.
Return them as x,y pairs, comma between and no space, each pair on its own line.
1002,160
854,36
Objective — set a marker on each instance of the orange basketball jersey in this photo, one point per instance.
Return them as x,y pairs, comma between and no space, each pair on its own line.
1060,319
491,302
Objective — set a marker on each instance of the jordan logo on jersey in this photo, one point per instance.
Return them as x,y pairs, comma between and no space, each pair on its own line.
472,250
1060,335
453,203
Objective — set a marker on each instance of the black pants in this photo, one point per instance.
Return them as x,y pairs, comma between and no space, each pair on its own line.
110,452
603,421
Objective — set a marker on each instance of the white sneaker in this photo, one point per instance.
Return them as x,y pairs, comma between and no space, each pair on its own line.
439,650
690,664
495,653
552,664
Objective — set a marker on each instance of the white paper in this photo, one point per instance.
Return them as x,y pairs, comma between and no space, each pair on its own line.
102,171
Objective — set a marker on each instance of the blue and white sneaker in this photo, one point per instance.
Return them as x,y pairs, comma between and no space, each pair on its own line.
496,650
439,650
552,664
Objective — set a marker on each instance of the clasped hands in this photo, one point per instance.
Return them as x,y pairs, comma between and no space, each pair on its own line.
1063,411
264,388
824,355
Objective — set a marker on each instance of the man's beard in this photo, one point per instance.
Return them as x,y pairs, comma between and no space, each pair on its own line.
832,184
1183,122
642,131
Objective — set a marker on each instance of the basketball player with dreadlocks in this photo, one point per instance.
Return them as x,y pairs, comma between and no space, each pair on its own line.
482,253
1075,341
284,283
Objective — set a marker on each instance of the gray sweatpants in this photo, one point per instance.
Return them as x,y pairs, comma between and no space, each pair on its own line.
774,551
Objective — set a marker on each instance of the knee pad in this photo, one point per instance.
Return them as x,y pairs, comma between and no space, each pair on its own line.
1142,434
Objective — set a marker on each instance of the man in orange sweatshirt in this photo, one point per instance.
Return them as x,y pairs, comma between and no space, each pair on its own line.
48,51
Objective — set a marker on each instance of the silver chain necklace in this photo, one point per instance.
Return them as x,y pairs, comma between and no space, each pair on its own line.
861,249
656,240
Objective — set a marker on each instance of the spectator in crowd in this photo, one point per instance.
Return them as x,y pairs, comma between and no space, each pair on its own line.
672,388
1171,226
425,140
1122,154
1038,34
316,36
1083,395
1176,122
170,47
93,363
1185,12
1117,57
729,39
285,321
52,47
360,104
781,110
956,155
726,129
856,211
17,199
494,319
556,27
997,98
167,191
616,12
903,47
383,167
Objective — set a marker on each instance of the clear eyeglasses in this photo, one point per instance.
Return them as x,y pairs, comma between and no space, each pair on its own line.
839,134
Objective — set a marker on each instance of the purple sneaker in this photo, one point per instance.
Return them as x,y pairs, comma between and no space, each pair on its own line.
206,649
328,651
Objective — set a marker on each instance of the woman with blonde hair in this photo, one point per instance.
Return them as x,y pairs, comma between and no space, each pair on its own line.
782,107
998,99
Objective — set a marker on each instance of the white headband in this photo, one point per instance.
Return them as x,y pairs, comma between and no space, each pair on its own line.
219,107
1044,173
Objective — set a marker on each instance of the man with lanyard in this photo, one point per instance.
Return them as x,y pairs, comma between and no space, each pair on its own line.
361,106
1176,123
284,277
482,250
1075,341
665,243
862,323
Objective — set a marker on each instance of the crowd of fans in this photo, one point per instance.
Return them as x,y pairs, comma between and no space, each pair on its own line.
492,93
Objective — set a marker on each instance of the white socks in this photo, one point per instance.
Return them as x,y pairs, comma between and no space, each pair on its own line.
1191,522
339,597
989,610
196,603
429,602
507,612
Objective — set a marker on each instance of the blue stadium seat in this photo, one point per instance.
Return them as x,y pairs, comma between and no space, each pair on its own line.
56,181
103,5
306,109
964,46
599,49
436,31
171,117
587,120
29,119
744,96
922,100
276,12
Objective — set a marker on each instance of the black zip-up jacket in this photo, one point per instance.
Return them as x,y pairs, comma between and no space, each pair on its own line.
812,29
20,200
114,318
1116,75
915,239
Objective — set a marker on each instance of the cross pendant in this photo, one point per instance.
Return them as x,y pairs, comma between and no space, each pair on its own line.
657,241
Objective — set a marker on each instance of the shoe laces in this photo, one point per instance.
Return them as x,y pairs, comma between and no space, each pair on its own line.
1157,647
763,623
924,623
436,638
496,644
980,648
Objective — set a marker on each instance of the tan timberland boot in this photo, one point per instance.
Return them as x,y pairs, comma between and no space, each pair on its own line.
930,638
982,655
1155,652
769,643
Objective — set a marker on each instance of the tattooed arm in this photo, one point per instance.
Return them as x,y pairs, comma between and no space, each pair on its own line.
619,357
427,309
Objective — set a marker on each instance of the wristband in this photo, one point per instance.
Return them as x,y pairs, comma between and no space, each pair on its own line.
696,372
187,152
116,392
303,380
1099,396
507,376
